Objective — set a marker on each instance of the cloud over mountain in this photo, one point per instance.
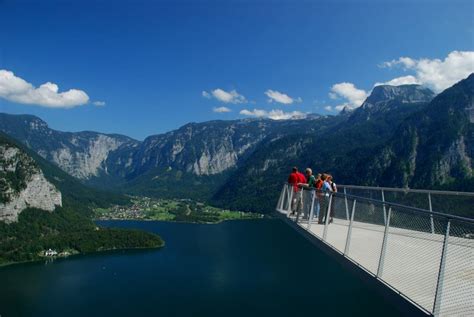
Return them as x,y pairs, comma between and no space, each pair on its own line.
434,73
275,114
225,96
353,96
280,97
221,109
16,89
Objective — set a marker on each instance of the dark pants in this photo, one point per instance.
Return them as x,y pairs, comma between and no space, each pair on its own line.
324,210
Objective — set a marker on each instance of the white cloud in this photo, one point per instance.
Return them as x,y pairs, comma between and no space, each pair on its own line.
99,103
342,106
225,96
221,109
18,90
354,97
436,73
408,62
404,80
275,114
280,97
254,113
328,108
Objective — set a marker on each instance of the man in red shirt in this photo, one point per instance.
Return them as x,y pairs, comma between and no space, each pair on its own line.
302,178
294,179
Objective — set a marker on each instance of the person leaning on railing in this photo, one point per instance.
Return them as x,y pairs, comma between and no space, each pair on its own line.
309,183
294,179
327,189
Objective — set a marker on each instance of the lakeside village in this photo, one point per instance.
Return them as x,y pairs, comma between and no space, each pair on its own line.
145,208
52,254
184,210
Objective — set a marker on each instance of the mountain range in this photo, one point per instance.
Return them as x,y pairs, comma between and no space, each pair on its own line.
400,136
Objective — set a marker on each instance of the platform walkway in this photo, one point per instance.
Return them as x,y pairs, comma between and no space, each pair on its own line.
396,244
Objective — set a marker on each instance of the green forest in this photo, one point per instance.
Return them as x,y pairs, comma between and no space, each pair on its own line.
68,228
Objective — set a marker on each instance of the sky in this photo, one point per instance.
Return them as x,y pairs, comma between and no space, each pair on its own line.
146,67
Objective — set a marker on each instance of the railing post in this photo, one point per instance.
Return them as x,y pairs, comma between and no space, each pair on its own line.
384,209
442,267
349,231
299,201
431,216
326,222
281,199
347,207
384,244
290,200
311,211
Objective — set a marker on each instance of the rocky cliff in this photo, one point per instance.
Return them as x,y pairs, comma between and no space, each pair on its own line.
434,147
401,136
22,184
81,154
199,154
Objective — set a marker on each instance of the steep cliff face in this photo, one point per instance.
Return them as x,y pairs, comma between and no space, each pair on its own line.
202,148
400,136
197,153
385,99
22,184
81,154
434,147
194,160
397,138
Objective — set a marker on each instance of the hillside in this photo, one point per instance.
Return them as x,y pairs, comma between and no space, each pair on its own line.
341,150
52,210
190,162
400,136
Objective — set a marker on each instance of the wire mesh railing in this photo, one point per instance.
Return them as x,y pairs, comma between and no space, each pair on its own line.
449,202
426,256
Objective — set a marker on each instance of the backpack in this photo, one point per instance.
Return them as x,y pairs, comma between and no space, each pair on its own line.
318,184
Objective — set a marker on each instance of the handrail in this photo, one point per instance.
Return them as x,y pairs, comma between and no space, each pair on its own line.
425,211
436,245
387,203
411,190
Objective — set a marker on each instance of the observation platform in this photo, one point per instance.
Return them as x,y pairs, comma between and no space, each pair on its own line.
426,257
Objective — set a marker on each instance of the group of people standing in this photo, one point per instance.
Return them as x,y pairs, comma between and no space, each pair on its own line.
321,183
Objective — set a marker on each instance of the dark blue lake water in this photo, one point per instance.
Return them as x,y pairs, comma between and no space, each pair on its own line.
236,268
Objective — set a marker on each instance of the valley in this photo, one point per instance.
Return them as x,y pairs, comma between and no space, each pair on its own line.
180,210
403,136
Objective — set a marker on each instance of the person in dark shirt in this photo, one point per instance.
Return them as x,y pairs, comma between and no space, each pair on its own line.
309,180
306,200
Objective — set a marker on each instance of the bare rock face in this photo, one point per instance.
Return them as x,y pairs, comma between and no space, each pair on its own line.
90,160
23,185
80,154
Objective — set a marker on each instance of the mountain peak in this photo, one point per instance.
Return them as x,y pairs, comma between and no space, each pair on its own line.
402,93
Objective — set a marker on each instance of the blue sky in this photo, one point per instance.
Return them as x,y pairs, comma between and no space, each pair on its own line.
158,65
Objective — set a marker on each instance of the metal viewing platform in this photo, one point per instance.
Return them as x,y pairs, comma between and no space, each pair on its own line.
426,256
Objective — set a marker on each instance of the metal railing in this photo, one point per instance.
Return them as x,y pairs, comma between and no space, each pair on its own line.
450,202
425,256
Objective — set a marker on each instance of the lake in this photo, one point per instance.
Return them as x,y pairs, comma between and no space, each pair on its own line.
235,268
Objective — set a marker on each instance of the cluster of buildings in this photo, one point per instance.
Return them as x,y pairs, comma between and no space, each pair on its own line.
53,253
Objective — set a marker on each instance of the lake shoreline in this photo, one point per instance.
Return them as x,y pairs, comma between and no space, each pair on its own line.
45,259
264,216
128,249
